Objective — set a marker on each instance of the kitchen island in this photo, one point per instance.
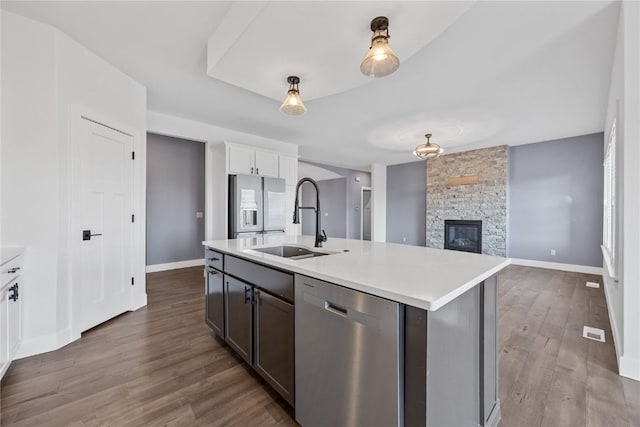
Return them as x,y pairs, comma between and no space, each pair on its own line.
385,334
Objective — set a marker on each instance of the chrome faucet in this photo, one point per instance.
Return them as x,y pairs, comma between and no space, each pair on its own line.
296,212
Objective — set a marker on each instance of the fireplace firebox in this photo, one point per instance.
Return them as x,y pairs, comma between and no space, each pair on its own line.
463,235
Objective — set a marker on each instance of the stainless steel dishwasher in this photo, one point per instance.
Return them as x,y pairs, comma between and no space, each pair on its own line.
348,357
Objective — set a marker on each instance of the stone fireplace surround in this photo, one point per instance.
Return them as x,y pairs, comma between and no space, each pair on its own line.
485,200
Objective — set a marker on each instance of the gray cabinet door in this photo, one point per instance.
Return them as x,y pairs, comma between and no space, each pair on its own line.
490,350
215,301
273,338
238,316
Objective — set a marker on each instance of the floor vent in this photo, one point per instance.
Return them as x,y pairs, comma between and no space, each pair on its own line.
593,285
593,333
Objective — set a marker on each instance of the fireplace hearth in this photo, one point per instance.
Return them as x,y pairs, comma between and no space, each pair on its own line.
463,235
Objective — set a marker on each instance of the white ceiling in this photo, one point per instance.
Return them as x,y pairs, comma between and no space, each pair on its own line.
268,41
480,74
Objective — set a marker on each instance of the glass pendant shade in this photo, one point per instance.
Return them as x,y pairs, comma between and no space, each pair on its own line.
428,150
293,105
380,61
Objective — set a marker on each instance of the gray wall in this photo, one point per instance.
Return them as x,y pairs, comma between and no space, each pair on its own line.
175,192
351,209
333,203
555,200
406,203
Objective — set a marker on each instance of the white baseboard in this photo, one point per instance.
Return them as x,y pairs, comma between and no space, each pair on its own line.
558,266
629,367
612,318
44,343
174,265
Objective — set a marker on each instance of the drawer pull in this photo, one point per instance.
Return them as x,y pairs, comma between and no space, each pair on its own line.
212,271
13,270
214,259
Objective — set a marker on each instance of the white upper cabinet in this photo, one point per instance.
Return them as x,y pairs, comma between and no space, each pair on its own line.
250,162
288,169
241,160
266,164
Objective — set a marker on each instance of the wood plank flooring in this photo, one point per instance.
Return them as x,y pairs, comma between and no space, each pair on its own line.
162,366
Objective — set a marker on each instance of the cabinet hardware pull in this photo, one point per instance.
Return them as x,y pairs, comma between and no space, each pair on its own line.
251,170
212,271
214,259
247,297
340,311
14,293
13,270
257,173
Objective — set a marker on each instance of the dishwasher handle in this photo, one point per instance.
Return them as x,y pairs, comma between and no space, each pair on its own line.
335,309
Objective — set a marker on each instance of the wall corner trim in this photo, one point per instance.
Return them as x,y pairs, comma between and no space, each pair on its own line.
174,265
558,266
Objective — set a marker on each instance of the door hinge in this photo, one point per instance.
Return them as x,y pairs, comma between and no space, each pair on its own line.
133,155
133,218
132,281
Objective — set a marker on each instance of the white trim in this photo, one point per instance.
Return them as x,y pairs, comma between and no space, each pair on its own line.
174,265
629,367
558,266
44,343
612,319
496,415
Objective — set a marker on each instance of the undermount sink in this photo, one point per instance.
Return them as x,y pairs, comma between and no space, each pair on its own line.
292,252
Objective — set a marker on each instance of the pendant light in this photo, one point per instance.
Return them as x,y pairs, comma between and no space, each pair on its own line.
429,150
380,61
293,105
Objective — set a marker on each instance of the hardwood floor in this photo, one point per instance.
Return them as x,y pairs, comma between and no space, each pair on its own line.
162,366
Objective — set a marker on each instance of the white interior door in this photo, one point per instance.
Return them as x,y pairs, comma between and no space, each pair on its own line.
103,227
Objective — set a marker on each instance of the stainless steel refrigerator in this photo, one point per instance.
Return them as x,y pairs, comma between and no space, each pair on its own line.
256,206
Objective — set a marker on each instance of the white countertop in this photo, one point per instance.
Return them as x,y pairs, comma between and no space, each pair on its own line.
418,276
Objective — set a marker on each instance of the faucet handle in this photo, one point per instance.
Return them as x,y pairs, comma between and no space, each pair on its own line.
324,236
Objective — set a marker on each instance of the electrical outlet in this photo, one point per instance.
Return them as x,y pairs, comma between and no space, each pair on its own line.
553,252
593,285
199,215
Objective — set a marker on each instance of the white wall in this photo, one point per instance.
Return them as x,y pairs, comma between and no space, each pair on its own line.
623,296
46,77
214,136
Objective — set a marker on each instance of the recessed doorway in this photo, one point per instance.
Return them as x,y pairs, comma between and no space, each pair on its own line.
365,212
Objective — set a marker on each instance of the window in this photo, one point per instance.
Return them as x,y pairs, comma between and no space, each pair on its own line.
609,208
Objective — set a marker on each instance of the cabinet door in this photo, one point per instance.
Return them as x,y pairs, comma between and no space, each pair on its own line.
15,320
238,316
215,301
241,160
490,351
273,337
4,331
266,164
